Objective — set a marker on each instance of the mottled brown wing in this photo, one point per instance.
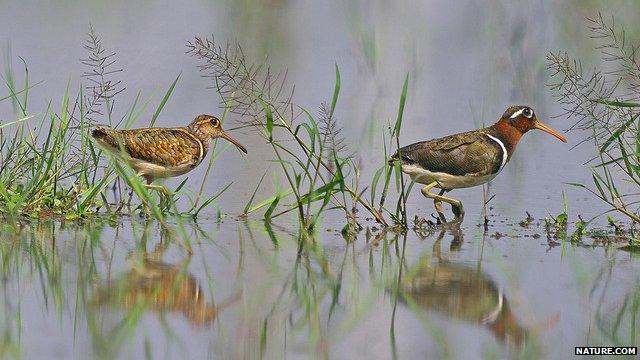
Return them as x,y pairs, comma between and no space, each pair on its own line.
471,153
162,146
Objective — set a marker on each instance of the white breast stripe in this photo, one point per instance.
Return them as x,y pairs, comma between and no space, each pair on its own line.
505,155
493,315
200,145
515,114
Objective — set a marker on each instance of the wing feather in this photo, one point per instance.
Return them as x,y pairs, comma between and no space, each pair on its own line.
472,153
167,147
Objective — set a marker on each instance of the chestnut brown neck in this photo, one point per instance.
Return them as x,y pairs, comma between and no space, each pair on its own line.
509,133
506,327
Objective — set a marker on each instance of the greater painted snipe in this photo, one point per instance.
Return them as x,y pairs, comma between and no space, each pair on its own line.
163,152
467,159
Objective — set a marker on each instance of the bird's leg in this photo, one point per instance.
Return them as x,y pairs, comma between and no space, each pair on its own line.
458,210
156,187
438,205
164,192
436,202
456,205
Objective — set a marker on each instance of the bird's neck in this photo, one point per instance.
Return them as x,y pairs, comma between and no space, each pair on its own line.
507,133
506,327
205,139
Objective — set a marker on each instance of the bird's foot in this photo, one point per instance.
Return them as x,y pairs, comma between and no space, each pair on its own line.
161,189
441,217
165,195
458,211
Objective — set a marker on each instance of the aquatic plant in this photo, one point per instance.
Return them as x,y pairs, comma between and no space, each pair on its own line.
60,172
49,165
319,167
605,104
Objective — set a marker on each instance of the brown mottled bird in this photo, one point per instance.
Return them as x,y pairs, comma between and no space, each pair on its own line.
467,159
163,152
160,286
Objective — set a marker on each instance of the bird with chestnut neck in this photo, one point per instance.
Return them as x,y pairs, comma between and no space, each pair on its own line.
467,159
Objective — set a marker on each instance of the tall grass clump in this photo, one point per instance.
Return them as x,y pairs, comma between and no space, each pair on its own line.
320,169
605,105
49,165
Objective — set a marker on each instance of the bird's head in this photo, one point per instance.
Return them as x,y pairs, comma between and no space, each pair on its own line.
208,127
524,119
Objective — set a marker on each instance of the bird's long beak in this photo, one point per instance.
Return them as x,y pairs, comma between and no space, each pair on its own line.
235,142
544,127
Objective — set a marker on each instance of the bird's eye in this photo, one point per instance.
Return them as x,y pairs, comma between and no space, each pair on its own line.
215,122
527,112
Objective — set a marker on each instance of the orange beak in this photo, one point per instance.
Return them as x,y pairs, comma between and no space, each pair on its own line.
544,127
235,142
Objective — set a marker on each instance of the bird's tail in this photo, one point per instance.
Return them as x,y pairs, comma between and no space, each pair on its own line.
393,159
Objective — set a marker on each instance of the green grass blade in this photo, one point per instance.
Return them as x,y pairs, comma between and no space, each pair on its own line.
269,115
403,99
618,104
272,207
255,191
336,92
374,182
164,101
596,180
25,98
269,200
211,199
16,121
616,134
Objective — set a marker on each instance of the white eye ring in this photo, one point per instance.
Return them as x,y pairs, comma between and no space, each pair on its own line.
527,112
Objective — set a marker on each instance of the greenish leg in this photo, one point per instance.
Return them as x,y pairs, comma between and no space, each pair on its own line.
164,192
438,205
456,205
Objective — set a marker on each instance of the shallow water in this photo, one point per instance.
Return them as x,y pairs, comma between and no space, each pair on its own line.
250,291
85,291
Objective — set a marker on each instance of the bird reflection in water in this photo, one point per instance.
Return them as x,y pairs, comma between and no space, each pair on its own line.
462,293
160,286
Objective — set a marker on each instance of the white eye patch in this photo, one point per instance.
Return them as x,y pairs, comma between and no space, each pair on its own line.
516,114
527,112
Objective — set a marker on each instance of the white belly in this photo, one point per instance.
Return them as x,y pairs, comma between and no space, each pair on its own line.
445,181
144,168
